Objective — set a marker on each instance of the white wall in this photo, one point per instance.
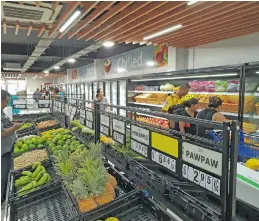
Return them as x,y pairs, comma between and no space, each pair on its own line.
227,52
33,84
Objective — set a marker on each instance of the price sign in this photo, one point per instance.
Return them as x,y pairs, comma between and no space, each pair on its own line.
164,160
202,166
82,121
105,120
139,148
44,104
19,106
89,124
89,115
119,131
82,113
119,137
140,140
105,130
73,110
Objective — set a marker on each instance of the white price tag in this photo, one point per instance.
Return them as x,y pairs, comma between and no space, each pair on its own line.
164,160
71,117
89,115
209,182
216,186
119,126
196,178
202,179
118,137
140,134
73,111
105,120
82,114
185,171
139,148
190,174
104,130
19,106
82,121
89,124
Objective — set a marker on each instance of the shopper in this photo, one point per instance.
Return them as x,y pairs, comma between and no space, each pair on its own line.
62,94
175,98
7,141
191,107
211,113
100,98
37,95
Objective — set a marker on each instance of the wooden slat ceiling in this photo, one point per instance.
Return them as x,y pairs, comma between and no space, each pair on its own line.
202,22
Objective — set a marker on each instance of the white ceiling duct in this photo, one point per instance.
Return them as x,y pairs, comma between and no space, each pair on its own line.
80,53
29,13
12,67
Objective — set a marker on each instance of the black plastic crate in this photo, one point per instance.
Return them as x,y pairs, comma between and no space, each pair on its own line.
86,138
31,132
124,186
134,206
18,173
27,117
52,204
25,130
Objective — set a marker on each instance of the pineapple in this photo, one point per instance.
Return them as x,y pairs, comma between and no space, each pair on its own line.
109,189
95,150
85,202
112,180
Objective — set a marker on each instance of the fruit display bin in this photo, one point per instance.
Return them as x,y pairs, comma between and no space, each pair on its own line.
134,206
44,118
13,195
56,126
25,130
49,204
124,187
40,148
156,99
31,132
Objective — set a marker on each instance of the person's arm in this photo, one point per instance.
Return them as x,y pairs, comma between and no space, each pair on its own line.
10,130
182,129
166,105
219,117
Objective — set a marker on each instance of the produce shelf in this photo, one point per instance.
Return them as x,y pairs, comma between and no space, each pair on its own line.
53,204
132,207
18,173
144,104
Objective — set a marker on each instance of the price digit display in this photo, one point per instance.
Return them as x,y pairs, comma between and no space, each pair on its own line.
104,130
89,124
118,137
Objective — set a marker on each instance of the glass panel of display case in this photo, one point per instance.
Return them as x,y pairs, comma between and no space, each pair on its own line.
114,95
82,91
95,88
86,92
108,91
122,91
90,92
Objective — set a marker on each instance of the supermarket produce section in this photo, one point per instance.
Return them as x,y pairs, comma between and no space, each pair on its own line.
79,163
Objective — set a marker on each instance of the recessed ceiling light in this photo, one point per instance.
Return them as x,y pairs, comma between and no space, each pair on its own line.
71,60
46,72
108,44
56,67
70,21
192,2
257,72
173,28
150,63
121,70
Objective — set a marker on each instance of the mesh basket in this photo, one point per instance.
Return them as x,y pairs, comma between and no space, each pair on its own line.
53,204
18,173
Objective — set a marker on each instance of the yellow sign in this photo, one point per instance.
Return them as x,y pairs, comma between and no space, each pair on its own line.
165,144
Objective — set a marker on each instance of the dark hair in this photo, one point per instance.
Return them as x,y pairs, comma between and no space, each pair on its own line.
185,86
215,102
56,90
98,91
189,103
4,94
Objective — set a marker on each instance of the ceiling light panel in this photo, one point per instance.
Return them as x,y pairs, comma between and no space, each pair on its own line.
74,16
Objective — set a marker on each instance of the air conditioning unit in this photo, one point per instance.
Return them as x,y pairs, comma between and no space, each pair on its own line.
29,13
12,67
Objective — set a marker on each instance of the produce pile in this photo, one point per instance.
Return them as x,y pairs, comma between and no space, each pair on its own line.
59,139
25,144
25,126
152,120
46,124
29,158
78,126
85,175
33,179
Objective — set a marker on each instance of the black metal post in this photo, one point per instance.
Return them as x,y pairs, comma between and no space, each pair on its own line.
242,95
225,169
97,121
118,97
66,117
233,171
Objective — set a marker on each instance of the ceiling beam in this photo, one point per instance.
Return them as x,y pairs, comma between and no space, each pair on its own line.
71,6
219,31
55,4
87,7
108,24
38,3
146,10
131,26
4,26
220,37
22,27
29,29
98,10
225,8
223,26
223,17
42,29
17,28
93,25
